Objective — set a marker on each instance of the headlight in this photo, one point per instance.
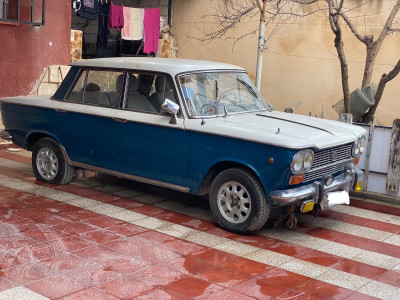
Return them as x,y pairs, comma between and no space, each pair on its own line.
302,161
359,146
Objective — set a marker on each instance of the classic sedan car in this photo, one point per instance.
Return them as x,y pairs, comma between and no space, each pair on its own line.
194,126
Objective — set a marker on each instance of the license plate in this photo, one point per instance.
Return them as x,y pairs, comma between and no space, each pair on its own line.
307,206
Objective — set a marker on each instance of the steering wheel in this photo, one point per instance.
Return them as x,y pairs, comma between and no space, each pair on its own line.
211,109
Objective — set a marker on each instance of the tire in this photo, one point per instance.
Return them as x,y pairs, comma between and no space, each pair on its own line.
49,164
247,209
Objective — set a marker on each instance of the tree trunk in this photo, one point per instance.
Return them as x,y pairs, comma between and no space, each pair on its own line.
379,91
393,175
343,66
372,52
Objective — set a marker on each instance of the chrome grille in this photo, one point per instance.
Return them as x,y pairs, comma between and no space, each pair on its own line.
329,161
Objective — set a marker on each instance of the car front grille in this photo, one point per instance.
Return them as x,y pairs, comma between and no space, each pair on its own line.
329,161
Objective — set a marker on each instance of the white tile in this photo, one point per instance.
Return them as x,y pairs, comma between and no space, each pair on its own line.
126,215
380,290
343,279
269,257
205,239
236,248
151,223
21,293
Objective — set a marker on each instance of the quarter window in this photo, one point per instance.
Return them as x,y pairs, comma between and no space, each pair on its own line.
98,87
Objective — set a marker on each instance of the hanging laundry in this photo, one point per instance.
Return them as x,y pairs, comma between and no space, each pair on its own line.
116,19
151,29
133,24
102,31
87,9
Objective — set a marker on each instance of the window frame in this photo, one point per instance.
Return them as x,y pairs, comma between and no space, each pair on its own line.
6,3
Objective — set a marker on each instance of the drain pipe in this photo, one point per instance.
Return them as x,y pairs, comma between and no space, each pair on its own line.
366,172
169,13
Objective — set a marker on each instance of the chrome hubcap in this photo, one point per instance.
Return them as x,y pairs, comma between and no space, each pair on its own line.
47,163
234,202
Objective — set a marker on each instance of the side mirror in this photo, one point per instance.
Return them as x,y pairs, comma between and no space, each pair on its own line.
172,108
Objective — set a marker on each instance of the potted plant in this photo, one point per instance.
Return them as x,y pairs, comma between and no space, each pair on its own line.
165,32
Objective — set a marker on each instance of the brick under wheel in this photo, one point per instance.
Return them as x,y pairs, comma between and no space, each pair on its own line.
238,202
49,164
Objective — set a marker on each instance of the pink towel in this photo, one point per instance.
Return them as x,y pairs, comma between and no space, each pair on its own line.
133,24
116,19
151,29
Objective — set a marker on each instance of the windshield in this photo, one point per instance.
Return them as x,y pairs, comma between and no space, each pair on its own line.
220,93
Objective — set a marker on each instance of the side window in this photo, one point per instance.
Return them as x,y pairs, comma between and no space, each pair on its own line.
102,88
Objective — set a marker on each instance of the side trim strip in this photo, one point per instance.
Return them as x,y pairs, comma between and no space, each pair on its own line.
124,175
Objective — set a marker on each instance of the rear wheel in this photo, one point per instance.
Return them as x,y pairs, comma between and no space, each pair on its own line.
238,202
48,162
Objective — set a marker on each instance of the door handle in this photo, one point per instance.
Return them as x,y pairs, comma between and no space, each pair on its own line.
119,120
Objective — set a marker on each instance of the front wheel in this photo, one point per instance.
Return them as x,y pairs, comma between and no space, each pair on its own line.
238,202
48,162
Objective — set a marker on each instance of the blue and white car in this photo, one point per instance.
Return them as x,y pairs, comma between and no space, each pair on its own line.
194,126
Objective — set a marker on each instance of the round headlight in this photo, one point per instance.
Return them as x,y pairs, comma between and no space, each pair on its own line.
356,148
297,163
308,160
363,143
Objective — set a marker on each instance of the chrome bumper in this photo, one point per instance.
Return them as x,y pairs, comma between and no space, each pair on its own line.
345,181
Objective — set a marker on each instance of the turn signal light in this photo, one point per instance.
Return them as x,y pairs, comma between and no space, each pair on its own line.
359,186
356,160
296,179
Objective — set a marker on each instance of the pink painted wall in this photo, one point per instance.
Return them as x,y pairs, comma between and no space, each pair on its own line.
25,50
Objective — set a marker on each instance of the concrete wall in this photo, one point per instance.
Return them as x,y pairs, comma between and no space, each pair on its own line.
27,50
300,67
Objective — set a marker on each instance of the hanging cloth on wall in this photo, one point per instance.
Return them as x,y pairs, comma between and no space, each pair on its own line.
87,9
133,24
116,19
151,24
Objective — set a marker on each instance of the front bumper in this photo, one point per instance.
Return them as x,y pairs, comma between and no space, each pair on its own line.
346,181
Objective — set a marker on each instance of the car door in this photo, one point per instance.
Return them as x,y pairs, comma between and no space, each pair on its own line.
146,144
86,118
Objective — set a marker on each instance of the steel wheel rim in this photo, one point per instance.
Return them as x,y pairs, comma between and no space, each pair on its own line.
47,163
234,202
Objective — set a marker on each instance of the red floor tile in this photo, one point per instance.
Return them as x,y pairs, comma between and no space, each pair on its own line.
27,273
5,284
321,258
90,293
15,241
158,275
188,265
79,215
55,287
193,287
65,263
76,228
215,257
183,247
35,252
283,278
227,294
103,221
52,220
70,243
153,238
8,217
100,236
323,290
222,276
160,294
45,234
296,295
360,269
149,210
247,266
390,277
259,289
94,275
125,287
127,229
8,260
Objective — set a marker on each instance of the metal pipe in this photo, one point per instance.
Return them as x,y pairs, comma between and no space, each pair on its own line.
261,41
369,145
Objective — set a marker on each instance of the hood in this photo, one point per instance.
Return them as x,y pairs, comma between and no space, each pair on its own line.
282,129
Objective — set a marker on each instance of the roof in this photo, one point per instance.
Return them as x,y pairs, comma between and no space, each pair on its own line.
168,65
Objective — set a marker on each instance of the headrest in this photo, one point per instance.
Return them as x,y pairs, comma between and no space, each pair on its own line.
160,84
118,84
133,84
92,87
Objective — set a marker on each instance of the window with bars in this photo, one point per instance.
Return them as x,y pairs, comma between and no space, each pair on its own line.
23,11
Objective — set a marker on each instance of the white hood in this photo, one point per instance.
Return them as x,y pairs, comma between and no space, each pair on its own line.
280,129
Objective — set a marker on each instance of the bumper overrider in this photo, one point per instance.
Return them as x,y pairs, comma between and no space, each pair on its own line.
319,192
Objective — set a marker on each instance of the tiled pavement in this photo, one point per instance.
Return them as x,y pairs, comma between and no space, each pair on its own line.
107,238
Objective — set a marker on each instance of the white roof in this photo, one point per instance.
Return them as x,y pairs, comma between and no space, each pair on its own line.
172,66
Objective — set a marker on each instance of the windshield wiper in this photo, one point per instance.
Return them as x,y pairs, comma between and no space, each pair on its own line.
248,87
